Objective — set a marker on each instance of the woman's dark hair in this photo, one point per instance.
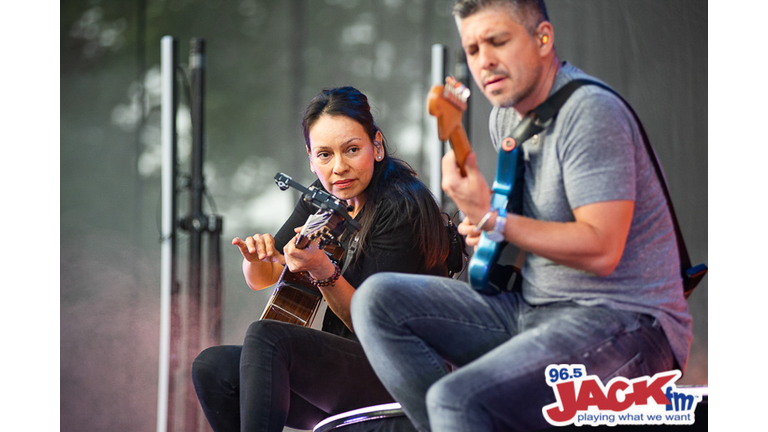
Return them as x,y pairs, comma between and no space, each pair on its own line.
392,177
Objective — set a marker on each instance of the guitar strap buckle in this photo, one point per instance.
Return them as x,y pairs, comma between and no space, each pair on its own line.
543,124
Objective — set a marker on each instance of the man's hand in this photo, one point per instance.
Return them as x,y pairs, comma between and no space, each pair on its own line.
471,193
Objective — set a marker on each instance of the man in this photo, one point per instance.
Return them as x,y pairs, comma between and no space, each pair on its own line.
601,279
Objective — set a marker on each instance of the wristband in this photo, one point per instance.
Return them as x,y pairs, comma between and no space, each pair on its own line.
497,233
483,220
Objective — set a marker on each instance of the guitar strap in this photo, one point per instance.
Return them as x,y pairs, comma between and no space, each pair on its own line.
545,112
348,256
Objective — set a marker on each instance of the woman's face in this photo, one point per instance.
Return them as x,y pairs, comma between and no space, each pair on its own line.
342,155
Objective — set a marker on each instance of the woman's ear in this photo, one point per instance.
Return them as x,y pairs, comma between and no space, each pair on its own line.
378,146
309,156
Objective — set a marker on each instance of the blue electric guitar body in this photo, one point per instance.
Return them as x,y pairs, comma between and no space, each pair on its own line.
485,275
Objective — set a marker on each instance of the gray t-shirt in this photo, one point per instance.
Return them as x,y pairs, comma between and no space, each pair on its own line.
594,152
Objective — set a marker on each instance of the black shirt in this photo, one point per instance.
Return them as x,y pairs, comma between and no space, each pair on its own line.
390,247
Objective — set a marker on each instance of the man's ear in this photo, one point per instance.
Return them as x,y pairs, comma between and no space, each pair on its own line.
545,35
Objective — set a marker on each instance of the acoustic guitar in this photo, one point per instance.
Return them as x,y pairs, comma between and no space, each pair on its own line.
448,103
295,300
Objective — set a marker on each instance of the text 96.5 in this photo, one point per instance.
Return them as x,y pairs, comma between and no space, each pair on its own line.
560,373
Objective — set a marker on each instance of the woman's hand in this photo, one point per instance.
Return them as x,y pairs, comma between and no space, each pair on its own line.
310,259
319,266
262,263
259,247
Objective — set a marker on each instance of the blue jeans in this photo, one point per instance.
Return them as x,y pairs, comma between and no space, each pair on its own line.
416,329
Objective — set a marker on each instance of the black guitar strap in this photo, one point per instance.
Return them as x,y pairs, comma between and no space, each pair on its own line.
350,252
546,112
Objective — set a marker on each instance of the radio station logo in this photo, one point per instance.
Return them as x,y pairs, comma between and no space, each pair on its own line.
583,399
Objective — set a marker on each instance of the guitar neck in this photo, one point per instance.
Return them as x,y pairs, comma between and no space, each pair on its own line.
318,198
460,145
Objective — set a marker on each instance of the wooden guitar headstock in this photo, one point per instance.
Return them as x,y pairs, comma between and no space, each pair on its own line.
448,103
325,226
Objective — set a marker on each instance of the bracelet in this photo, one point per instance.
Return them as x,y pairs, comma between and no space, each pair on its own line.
479,226
326,282
497,233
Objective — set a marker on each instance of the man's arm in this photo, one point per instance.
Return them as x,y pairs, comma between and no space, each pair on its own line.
594,242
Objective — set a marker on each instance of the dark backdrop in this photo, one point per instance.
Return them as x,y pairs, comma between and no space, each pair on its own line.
266,59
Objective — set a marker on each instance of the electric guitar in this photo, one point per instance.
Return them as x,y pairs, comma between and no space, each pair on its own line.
295,300
448,103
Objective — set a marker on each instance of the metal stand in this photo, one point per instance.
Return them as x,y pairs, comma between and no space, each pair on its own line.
184,328
436,147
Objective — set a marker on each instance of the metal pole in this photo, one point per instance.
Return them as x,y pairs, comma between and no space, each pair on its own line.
195,222
169,102
214,297
436,150
182,329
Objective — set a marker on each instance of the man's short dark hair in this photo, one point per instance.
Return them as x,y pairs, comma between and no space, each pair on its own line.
530,12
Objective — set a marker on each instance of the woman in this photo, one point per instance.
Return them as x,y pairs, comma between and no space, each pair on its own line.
287,375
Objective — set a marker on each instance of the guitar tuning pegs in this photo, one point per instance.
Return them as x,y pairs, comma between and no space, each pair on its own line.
325,240
282,185
456,90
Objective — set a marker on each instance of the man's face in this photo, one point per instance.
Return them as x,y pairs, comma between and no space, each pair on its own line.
502,56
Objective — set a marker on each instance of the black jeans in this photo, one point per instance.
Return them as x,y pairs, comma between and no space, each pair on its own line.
283,375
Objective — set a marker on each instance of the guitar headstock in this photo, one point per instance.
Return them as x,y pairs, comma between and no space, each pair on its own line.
448,103
283,181
326,226
324,237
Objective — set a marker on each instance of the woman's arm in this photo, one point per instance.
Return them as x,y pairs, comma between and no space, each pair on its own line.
262,262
